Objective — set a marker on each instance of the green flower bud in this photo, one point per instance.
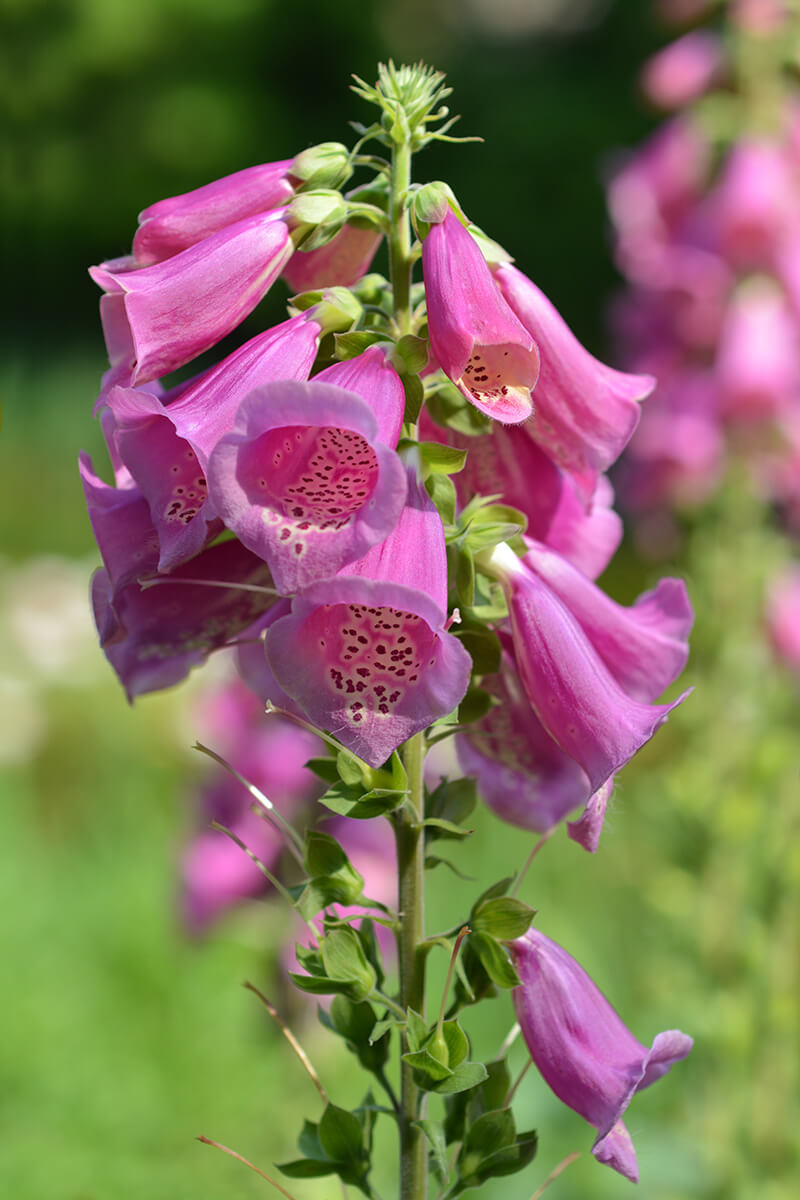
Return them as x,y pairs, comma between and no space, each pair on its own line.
324,166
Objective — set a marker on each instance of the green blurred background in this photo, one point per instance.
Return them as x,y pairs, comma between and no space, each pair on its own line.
121,1041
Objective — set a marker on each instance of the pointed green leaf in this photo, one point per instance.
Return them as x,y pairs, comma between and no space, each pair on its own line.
466,1075
434,1132
341,1135
495,960
503,918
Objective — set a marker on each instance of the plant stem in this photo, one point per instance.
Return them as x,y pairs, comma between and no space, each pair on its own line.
410,839
400,237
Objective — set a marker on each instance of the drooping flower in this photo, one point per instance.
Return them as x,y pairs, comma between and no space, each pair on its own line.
154,636
585,412
682,71
157,318
582,1048
510,464
366,654
577,677
304,481
758,359
475,337
174,224
165,443
341,262
522,774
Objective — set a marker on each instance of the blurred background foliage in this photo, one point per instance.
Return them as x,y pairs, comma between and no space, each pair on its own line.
122,1041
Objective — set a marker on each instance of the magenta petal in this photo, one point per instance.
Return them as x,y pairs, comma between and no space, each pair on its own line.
574,694
584,1051
303,480
206,410
166,470
584,412
154,636
368,661
157,318
588,539
171,225
371,376
475,337
341,262
589,825
122,526
645,647
522,774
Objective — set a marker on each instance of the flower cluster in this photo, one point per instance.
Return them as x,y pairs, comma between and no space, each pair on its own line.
394,503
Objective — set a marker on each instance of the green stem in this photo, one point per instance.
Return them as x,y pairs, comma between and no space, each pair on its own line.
400,237
410,839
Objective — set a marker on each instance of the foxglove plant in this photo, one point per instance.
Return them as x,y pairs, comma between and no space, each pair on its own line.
296,501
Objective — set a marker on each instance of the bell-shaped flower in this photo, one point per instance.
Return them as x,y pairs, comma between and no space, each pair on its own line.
174,224
372,377
758,359
304,481
475,337
576,677
123,530
523,776
341,262
683,71
157,318
585,412
165,443
582,1048
508,463
752,209
366,655
153,636
783,617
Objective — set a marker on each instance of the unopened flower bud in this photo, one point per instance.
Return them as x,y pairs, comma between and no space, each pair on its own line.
324,166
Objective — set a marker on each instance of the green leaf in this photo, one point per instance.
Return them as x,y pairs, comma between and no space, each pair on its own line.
439,459
453,800
445,829
415,397
306,1168
321,985
435,860
457,1043
412,353
350,345
308,1142
352,770
484,649
344,959
466,1075
323,854
497,889
491,1132
434,1132
495,961
428,1070
341,1135
475,705
353,1022
503,918
463,573
497,1086
441,490
324,768
416,1029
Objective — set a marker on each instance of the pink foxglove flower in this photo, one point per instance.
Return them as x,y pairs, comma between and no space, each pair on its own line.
682,71
575,677
752,210
475,337
341,262
585,412
523,776
153,637
366,655
508,463
758,360
165,443
783,617
581,1047
157,318
174,224
304,481
371,376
